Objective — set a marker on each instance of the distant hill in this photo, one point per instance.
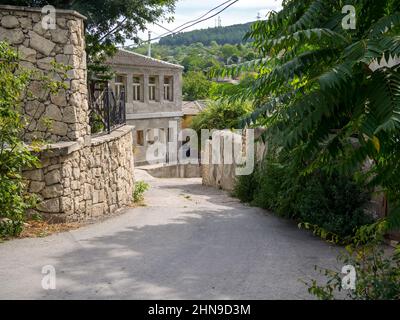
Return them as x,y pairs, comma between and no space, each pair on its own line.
222,35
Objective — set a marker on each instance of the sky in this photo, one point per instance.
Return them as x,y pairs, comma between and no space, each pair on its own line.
241,12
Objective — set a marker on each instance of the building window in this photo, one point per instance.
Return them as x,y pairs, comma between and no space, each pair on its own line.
120,86
137,88
153,88
140,138
168,89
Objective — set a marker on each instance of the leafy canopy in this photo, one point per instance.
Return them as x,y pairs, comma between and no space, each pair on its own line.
220,115
324,87
196,86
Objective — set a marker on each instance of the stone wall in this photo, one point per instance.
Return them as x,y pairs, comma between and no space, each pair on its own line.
81,177
38,48
81,184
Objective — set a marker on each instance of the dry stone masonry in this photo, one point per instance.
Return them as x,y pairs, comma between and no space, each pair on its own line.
81,177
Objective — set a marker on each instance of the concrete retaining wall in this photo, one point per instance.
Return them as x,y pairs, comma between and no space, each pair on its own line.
173,171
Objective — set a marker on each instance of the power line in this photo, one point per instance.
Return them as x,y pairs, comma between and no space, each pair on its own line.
204,15
202,20
194,22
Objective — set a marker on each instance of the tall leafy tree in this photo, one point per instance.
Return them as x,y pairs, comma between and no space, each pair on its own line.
331,89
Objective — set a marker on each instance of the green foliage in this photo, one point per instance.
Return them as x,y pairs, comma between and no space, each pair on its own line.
377,275
221,115
330,203
198,57
315,85
195,86
10,228
14,154
138,193
221,35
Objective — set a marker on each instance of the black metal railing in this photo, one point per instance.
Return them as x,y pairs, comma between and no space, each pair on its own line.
107,111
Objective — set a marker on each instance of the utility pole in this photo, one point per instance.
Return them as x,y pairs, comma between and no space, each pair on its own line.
149,52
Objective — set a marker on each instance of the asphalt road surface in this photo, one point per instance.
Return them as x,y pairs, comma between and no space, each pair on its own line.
189,242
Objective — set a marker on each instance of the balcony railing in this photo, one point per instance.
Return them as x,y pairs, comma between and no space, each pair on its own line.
107,111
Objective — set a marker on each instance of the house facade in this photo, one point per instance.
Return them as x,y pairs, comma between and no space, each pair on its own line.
153,94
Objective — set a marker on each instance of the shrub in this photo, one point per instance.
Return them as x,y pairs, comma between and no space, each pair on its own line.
196,86
138,193
334,202
330,201
15,155
377,269
221,115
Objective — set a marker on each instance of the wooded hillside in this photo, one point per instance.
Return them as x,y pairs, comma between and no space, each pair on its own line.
222,35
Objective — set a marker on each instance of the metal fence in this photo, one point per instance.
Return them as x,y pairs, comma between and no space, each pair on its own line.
107,109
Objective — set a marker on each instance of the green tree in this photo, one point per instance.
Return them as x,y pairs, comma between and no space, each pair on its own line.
221,115
228,51
196,86
110,23
323,88
317,87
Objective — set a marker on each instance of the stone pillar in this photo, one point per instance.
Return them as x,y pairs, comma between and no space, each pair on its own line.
129,88
177,88
161,87
67,111
146,87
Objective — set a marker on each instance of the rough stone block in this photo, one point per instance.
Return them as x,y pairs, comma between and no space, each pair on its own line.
27,54
53,191
9,22
36,186
34,175
12,36
41,44
50,206
53,177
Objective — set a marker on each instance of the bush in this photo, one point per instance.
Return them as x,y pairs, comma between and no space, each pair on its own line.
220,115
14,155
196,86
377,270
138,193
333,202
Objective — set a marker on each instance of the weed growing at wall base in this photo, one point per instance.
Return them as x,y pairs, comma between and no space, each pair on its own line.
138,193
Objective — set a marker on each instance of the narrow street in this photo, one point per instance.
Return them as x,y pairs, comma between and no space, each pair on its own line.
189,242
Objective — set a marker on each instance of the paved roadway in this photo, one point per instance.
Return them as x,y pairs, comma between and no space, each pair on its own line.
189,242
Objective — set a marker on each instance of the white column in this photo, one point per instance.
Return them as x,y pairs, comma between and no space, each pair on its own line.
146,87
129,89
161,87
